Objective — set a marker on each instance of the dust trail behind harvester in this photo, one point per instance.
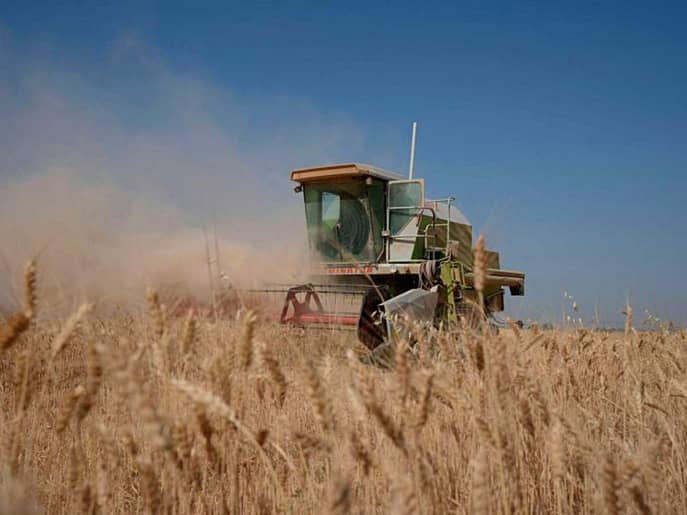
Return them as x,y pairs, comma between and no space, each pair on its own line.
97,241
111,174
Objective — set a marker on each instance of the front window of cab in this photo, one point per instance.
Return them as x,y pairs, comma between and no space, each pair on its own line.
345,220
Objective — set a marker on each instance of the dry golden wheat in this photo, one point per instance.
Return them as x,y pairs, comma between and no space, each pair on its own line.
480,268
11,329
68,329
545,421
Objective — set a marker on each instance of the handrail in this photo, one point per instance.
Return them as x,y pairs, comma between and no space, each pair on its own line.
429,227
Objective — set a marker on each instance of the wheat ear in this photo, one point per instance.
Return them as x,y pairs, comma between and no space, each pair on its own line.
480,269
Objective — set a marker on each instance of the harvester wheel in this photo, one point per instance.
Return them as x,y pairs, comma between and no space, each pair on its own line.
371,327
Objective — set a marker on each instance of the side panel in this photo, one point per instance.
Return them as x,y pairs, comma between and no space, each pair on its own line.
460,233
403,244
493,259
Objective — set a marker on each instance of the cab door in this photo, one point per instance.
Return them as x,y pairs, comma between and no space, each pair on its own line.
405,204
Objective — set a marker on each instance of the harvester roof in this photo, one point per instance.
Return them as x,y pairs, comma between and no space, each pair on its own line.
339,171
324,173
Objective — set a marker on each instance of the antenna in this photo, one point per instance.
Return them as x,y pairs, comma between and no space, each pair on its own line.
411,168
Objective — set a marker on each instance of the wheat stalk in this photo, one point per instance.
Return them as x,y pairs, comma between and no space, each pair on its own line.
360,452
246,346
69,328
480,269
481,491
149,484
340,502
275,372
30,295
189,334
426,402
156,313
628,320
610,485
69,408
318,398
13,327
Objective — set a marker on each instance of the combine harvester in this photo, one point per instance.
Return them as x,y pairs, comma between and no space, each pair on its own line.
378,243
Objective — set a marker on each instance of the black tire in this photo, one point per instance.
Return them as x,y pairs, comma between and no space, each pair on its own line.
371,330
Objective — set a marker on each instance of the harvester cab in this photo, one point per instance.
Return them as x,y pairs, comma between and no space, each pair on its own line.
380,248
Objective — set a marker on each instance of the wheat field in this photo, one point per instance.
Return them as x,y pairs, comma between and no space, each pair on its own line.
141,412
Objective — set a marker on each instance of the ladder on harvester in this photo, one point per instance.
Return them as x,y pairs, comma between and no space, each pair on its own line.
434,252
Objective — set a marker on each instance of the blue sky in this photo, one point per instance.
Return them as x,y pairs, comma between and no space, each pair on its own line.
561,129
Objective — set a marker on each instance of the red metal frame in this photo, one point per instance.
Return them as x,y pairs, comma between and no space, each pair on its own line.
307,309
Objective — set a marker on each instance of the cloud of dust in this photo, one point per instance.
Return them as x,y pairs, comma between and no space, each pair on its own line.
113,175
97,241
